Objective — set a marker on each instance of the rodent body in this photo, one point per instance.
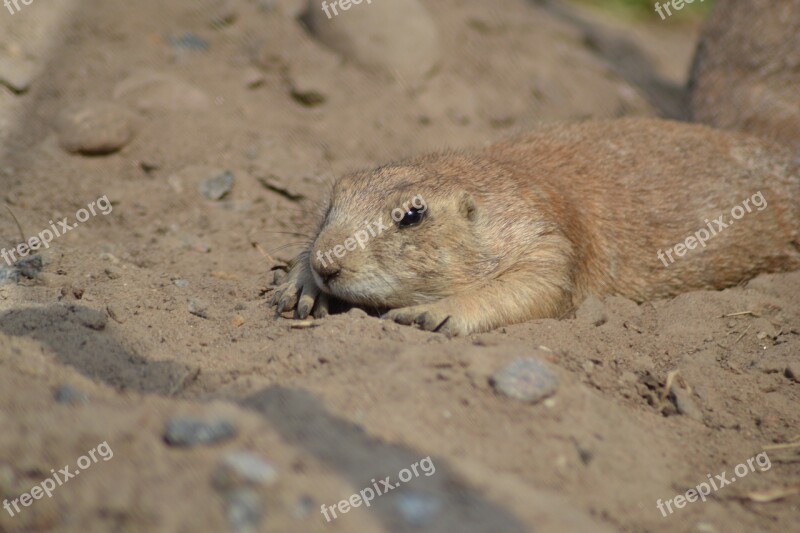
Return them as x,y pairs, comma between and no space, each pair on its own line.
527,228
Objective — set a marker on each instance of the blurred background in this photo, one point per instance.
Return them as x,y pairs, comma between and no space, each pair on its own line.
214,129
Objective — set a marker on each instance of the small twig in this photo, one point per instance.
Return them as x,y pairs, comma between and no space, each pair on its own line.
743,334
263,252
668,385
794,442
740,313
303,324
19,226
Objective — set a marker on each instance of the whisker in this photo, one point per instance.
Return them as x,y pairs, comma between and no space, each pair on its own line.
272,251
294,233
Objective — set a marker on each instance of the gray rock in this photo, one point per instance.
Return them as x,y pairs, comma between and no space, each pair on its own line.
239,468
244,510
8,275
192,431
417,508
95,129
30,266
592,311
17,74
398,36
152,91
217,187
526,379
69,395
198,308
189,41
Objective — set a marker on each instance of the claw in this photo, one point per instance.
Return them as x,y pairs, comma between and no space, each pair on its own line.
302,311
440,326
281,307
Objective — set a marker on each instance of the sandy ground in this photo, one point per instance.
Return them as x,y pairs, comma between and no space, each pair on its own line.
156,311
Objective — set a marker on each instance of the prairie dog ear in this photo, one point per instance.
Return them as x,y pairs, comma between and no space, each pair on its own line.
467,206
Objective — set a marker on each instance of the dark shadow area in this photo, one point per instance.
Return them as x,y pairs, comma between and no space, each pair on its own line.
628,60
303,421
75,334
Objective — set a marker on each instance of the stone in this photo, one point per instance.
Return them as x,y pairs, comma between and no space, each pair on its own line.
244,510
152,92
592,311
526,379
198,308
17,74
98,128
399,37
793,371
417,508
191,431
241,468
69,395
217,187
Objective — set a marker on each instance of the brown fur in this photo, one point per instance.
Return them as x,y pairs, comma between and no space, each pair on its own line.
529,227
746,73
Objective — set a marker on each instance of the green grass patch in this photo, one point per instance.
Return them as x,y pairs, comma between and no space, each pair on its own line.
645,9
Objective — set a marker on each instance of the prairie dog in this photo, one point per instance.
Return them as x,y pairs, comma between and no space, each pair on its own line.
528,227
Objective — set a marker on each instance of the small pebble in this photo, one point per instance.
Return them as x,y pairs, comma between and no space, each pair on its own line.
244,510
8,275
30,266
95,129
198,308
17,74
116,313
592,311
69,395
793,371
91,318
526,379
217,187
193,431
189,41
417,508
399,37
152,92
224,14
181,283
240,468
685,404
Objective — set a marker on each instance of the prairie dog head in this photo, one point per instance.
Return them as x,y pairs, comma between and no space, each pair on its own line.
394,237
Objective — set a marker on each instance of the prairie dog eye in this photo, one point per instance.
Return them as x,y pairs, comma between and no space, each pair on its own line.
412,217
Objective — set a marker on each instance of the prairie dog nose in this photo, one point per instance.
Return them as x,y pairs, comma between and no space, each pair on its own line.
325,266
